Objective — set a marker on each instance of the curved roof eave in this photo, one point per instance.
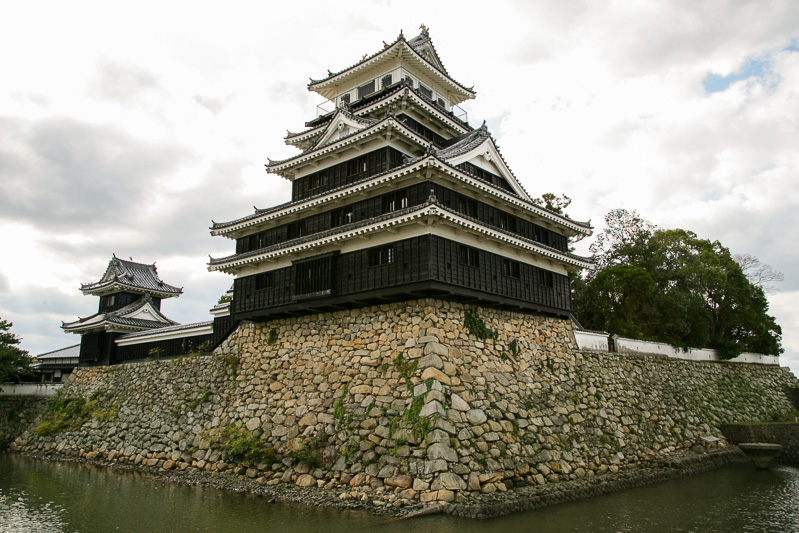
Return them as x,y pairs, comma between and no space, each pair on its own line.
318,85
430,208
278,167
261,216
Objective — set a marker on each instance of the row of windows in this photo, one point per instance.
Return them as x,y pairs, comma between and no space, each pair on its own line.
347,172
385,81
477,172
421,130
394,201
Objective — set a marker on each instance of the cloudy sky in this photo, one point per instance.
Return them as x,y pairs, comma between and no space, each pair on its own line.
126,128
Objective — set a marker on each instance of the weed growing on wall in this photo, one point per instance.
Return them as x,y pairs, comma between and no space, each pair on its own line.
240,444
309,450
477,327
66,413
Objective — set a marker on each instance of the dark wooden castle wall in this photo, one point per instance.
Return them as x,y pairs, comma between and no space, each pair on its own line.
424,265
345,173
161,349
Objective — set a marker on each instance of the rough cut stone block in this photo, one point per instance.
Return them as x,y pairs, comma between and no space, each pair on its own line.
448,481
440,450
458,403
431,360
436,374
431,408
403,482
476,417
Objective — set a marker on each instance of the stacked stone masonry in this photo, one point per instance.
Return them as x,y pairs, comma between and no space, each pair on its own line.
404,399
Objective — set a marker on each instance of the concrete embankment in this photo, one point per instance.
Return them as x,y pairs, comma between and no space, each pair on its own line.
408,402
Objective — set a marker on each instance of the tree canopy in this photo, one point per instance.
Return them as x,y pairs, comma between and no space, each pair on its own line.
671,286
14,362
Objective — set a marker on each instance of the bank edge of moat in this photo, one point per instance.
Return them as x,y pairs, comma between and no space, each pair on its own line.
404,405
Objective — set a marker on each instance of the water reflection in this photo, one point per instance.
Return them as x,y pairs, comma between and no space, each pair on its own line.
68,497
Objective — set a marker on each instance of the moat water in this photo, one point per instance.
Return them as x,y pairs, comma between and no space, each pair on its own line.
42,496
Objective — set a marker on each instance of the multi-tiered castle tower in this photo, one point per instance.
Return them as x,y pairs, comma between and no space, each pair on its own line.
395,197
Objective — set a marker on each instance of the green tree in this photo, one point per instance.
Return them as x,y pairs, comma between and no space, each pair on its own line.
670,285
14,362
552,202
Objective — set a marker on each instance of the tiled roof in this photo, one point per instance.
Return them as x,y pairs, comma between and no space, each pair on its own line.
464,143
168,329
547,250
417,41
385,122
555,217
423,39
120,317
345,111
138,277
69,351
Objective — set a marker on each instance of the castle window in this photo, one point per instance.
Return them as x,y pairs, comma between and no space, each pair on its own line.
345,98
385,82
341,217
511,268
470,256
263,281
541,235
507,222
546,278
313,276
467,206
383,255
366,89
426,92
296,229
397,200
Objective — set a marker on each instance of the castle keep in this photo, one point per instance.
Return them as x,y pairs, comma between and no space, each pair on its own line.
394,197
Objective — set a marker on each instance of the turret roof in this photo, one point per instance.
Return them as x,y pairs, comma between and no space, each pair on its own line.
126,318
130,276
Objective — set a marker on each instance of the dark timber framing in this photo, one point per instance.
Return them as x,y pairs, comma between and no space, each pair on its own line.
411,268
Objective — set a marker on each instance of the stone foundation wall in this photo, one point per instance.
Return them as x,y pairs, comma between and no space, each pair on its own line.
405,398
17,414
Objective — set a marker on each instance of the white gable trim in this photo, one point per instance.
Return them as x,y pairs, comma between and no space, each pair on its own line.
488,151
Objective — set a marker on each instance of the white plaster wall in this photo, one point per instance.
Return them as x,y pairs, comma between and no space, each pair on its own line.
591,340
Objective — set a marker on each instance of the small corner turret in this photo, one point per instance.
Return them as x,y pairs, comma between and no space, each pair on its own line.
130,300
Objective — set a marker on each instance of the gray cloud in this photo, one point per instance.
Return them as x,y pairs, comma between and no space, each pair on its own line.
63,170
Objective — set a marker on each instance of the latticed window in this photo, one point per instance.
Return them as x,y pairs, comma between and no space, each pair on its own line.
263,281
366,89
467,206
511,268
383,255
546,278
313,276
470,256
394,201
341,216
